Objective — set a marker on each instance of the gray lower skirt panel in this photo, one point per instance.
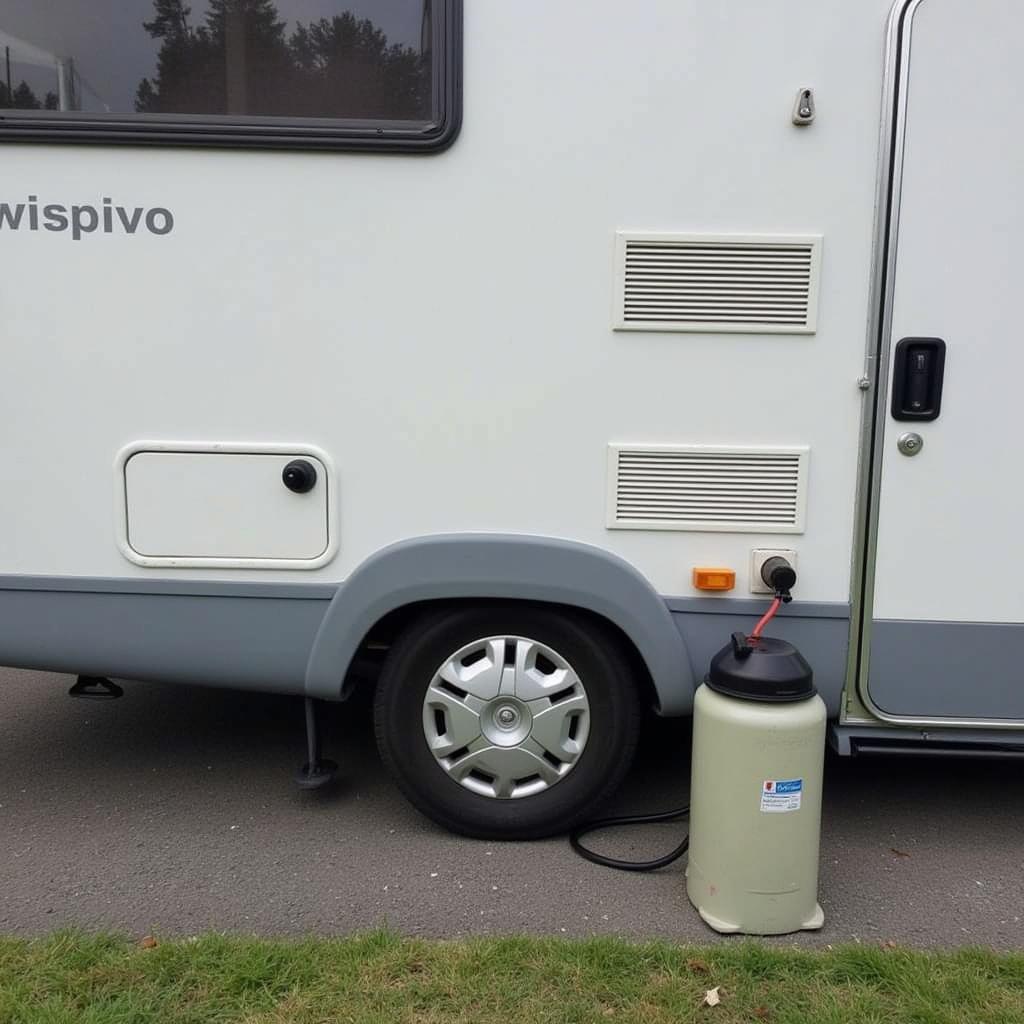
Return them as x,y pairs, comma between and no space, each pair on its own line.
264,636
820,630
960,670
221,639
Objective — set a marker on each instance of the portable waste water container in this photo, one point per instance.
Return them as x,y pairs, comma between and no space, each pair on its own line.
755,790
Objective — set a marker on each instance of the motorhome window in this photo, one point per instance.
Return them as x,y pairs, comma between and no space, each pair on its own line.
307,73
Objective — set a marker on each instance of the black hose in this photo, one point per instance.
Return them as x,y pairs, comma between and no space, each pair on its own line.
781,596
631,819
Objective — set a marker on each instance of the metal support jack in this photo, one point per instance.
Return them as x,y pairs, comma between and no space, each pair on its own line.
95,688
317,771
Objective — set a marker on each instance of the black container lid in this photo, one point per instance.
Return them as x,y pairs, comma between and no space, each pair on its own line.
767,669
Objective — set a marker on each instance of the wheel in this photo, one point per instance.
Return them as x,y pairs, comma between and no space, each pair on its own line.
506,722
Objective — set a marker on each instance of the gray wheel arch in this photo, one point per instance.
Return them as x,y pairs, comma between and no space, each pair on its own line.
487,566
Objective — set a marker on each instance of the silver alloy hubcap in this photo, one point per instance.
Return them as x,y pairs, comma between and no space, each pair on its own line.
506,717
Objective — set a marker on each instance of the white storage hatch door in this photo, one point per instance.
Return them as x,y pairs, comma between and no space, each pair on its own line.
224,508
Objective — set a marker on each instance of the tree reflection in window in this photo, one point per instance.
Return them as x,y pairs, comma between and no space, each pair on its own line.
21,97
241,58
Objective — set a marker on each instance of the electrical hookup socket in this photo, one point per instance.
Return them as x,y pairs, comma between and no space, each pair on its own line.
761,555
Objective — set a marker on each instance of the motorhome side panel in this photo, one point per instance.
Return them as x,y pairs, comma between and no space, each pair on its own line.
441,326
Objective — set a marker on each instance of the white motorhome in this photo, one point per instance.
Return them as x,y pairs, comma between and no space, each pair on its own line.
512,341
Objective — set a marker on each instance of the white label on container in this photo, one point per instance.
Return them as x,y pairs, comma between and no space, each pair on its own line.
779,795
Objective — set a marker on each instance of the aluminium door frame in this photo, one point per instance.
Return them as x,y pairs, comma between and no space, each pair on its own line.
875,383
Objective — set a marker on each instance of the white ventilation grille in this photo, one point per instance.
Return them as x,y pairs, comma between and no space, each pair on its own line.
694,487
749,283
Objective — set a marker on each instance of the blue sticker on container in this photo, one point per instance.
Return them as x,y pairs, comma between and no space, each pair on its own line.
780,795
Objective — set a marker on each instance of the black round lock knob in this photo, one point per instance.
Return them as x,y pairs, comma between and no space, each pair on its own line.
299,476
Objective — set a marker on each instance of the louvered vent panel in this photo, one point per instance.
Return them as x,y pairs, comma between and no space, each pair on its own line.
764,284
743,490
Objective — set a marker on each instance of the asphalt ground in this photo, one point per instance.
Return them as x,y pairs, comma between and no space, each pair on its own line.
173,811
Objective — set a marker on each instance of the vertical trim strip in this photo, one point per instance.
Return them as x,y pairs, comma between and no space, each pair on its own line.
875,365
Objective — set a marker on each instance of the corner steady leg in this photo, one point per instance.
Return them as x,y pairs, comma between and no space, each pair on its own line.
317,771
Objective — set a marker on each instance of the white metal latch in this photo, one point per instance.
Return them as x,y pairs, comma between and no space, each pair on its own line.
803,109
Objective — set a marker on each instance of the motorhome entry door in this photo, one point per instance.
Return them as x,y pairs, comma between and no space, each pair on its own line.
945,639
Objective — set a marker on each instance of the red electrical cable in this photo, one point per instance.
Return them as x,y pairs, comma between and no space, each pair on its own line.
766,618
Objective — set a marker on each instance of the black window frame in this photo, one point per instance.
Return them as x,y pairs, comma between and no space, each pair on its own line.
273,133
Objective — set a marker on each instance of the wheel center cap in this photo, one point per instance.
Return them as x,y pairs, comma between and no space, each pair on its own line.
507,718
506,722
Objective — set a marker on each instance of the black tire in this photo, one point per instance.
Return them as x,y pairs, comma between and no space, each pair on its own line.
611,691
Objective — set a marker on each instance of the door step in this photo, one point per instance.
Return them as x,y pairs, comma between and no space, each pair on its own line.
855,740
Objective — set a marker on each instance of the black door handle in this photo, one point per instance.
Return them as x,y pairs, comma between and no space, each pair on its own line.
917,379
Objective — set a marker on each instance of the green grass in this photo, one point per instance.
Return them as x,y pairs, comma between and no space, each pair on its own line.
70,977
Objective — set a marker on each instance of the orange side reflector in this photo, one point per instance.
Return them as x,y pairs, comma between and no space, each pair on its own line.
714,579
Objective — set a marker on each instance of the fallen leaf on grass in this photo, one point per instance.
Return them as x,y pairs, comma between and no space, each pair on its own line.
889,944
762,1012
711,997
148,942
697,966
